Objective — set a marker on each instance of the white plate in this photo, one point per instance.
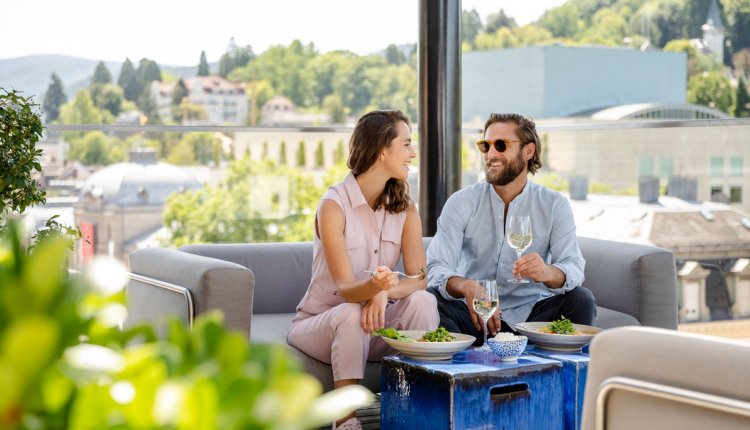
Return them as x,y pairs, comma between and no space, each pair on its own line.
430,350
557,342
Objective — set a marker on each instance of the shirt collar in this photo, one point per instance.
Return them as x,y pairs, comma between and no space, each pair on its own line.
352,189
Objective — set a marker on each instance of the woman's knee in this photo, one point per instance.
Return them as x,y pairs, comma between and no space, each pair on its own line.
348,314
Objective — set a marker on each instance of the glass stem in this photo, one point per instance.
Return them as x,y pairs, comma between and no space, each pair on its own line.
485,331
518,257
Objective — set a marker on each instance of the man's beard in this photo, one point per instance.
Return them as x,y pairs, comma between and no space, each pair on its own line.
508,174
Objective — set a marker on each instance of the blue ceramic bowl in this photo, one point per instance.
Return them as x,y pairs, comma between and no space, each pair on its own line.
508,350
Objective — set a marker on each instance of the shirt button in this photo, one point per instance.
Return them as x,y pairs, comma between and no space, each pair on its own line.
376,251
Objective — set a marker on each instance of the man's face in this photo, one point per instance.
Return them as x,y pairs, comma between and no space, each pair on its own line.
502,168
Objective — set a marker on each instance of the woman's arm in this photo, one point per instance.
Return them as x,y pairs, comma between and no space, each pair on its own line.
330,225
412,251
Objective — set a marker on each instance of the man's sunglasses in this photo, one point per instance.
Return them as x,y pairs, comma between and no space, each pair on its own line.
500,145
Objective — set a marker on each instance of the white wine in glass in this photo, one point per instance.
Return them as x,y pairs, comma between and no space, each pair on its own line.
518,233
485,304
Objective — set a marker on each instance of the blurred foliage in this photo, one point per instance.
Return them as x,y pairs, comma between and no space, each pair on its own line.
711,89
259,201
54,229
20,130
64,363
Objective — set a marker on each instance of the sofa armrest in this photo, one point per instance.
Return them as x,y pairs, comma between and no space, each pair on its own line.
639,280
167,282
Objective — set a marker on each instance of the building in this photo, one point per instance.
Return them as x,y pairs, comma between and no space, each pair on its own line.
122,203
224,102
710,242
560,81
280,111
714,157
712,42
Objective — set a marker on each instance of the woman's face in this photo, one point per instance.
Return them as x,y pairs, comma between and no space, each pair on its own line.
397,157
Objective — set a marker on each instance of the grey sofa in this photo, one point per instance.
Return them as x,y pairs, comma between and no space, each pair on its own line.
258,286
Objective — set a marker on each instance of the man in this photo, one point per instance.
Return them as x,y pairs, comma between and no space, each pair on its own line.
470,243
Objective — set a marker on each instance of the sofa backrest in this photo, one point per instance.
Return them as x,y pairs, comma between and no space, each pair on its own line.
282,270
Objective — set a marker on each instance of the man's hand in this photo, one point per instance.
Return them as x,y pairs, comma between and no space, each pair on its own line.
373,313
384,279
531,266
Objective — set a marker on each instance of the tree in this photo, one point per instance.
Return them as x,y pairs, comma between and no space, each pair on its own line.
235,57
96,148
81,110
338,155
301,154
109,97
497,20
203,69
129,82
54,98
393,55
101,75
179,95
711,89
742,100
245,207
320,155
20,130
561,21
282,153
334,108
148,70
471,24
148,107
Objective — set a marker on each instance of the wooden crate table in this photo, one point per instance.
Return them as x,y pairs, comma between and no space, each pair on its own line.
575,369
469,392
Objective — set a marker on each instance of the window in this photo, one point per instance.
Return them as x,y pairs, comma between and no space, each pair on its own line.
645,166
717,166
666,167
717,194
735,194
735,166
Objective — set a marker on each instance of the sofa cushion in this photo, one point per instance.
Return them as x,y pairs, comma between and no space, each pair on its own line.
608,318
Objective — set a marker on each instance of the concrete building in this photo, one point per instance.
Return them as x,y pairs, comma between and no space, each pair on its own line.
123,202
225,102
560,81
716,158
710,241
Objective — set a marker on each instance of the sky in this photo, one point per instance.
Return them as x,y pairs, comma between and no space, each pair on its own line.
174,32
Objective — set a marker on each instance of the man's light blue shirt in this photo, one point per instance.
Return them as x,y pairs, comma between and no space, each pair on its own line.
470,243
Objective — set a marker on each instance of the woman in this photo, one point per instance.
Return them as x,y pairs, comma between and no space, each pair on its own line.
365,224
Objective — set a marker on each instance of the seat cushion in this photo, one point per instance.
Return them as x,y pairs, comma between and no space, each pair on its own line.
272,328
608,318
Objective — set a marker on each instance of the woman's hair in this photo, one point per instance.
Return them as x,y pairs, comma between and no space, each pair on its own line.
374,132
526,132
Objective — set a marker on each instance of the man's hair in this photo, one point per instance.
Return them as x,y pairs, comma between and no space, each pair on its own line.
526,131
374,132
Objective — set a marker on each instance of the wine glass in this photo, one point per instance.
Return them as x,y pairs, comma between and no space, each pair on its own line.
485,304
518,234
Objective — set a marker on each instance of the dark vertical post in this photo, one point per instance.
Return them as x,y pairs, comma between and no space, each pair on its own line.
439,107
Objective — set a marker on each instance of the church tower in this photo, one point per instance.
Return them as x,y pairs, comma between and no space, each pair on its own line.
713,33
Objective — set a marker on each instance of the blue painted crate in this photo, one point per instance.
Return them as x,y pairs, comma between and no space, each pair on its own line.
575,370
468,392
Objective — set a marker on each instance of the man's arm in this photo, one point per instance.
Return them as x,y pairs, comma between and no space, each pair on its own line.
564,250
444,252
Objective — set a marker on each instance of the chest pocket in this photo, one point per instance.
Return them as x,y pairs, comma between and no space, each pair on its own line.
390,244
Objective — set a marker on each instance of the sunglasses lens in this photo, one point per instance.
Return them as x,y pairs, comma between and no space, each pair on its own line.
483,146
500,145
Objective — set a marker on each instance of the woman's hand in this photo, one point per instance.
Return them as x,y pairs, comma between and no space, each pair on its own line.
384,279
373,313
